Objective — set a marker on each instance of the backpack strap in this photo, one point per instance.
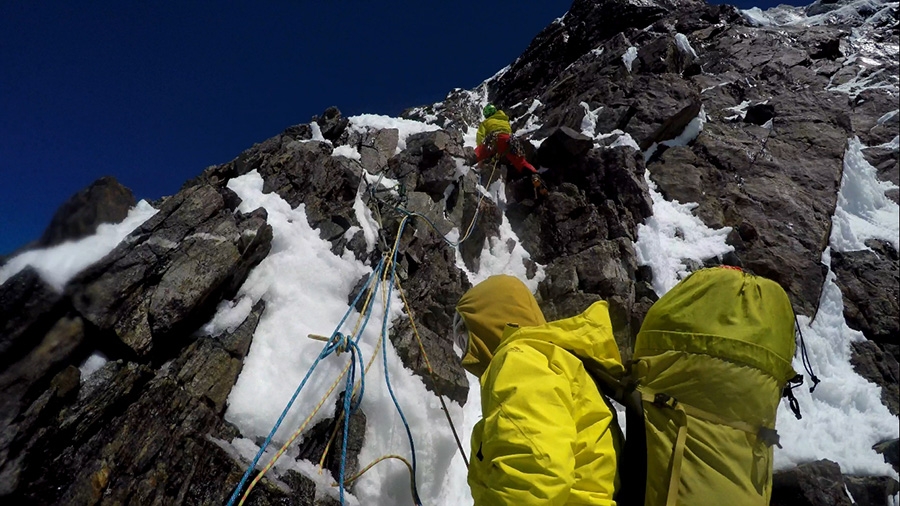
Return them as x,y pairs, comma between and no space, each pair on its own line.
633,457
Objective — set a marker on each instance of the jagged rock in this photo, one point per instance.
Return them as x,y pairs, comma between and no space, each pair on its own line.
759,114
332,123
24,380
871,490
104,201
210,366
564,223
821,483
427,269
456,112
601,272
446,378
870,284
585,26
562,147
376,147
429,164
167,276
132,434
673,125
28,307
255,157
891,452
612,181
661,56
814,484
316,440
881,368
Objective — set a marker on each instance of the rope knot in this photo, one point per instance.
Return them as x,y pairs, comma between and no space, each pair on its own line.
342,343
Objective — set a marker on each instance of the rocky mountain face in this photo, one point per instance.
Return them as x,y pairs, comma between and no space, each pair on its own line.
603,94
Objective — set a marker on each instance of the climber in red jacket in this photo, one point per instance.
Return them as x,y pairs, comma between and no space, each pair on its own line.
494,136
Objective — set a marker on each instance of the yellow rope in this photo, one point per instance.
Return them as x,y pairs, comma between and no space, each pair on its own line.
471,223
355,477
431,373
379,343
334,385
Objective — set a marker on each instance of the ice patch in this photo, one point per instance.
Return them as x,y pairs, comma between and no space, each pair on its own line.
684,45
863,211
92,364
844,417
347,152
630,55
688,135
888,117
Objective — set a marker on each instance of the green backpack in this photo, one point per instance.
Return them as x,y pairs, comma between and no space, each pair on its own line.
711,363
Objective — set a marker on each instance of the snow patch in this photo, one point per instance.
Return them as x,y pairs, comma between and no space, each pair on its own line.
630,55
844,417
347,152
688,135
406,127
672,238
863,211
684,45
92,364
229,316
59,264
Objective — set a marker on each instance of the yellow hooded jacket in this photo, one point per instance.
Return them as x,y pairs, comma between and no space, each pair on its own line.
497,122
547,437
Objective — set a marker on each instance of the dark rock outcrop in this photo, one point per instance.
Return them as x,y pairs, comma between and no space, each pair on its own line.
881,367
870,284
132,432
104,201
28,306
167,277
821,483
813,484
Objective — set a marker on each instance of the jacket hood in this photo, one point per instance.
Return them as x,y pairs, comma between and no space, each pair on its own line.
499,115
588,335
501,309
486,309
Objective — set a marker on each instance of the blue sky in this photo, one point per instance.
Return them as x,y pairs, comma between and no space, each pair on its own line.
154,92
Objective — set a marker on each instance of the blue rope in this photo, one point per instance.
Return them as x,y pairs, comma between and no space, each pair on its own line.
341,342
349,407
324,353
329,348
387,380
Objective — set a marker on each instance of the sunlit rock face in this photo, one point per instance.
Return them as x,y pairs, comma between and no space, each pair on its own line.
761,132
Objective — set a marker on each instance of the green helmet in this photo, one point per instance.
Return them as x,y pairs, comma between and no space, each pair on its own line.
489,110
